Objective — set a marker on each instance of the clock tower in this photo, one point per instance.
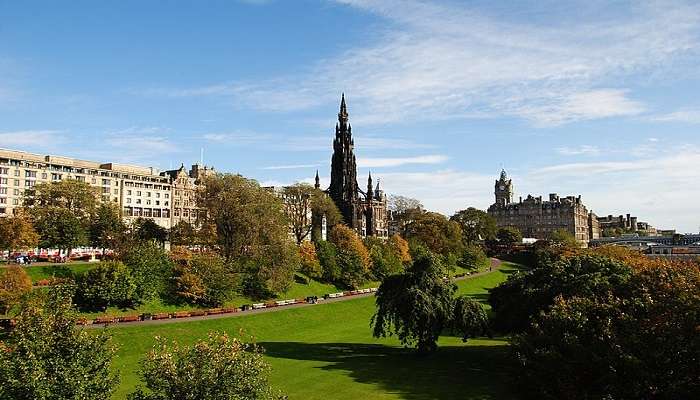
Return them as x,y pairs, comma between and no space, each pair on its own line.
504,190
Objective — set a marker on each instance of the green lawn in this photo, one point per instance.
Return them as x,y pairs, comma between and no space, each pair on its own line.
327,352
68,270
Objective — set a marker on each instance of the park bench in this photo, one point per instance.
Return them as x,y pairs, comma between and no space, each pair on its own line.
161,316
181,314
129,318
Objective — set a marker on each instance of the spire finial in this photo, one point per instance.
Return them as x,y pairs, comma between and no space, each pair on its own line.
317,185
343,114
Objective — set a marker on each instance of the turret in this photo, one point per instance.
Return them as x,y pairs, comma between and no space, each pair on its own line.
370,193
317,185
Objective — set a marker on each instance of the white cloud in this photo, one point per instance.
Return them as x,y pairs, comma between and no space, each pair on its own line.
434,60
689,116
585,150
399,161
30,139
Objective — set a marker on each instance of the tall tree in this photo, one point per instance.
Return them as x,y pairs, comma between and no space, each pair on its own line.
297,207
251,229
435,231
17,232
147,230
183,234
476,225
47,357
106,227
61,212
509,235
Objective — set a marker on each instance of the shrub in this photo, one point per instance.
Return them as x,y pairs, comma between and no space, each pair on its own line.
108,284
47,357
204,280
218,368
14,283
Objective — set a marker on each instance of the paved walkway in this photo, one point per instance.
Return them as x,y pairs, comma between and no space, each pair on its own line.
495,265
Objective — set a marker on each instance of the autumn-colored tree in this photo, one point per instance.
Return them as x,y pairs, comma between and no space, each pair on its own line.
346,239
180,255
17,232
14,284
310,265
400,247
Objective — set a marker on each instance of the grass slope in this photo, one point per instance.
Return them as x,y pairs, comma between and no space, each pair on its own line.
327,352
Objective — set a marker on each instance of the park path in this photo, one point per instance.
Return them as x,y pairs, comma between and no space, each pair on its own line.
495,266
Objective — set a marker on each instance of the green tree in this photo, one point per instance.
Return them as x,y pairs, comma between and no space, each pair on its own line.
476,225
149,266
17,232
108,284
563,237
145,229
251,230
106,227
14,284
47,358
472,258
384,258
217,368
418,305
509,235
435,231
183,234
327,254
637,339
61,212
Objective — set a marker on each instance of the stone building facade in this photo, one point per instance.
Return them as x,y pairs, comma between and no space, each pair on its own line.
626,223
140,192
538,218
184,193
364,211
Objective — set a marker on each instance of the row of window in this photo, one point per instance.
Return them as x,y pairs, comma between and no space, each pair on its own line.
148,202
63,168
146,212
148,194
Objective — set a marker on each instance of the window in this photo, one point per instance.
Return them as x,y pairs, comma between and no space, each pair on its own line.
3,210
16,172
16,182
177,212
166,213
128,192
157,202
29,183
3,200
138,193
4,171
138,201
116,191
106,182
105,191
15,202
157,195
148,202
3,190
94,181
128,200
167,195
56,177
15,192
147,212
148,194
80,178
156,212
29,174
3,181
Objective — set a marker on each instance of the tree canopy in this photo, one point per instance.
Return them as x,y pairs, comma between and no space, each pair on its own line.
476,225
435,231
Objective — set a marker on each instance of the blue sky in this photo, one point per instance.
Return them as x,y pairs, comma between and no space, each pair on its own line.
593,98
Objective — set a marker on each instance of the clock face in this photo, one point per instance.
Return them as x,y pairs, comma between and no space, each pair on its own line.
502,187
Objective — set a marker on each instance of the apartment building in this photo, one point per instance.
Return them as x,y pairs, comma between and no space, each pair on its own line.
139,191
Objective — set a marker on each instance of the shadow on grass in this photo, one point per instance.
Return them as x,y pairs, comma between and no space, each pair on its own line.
57,271
452,372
